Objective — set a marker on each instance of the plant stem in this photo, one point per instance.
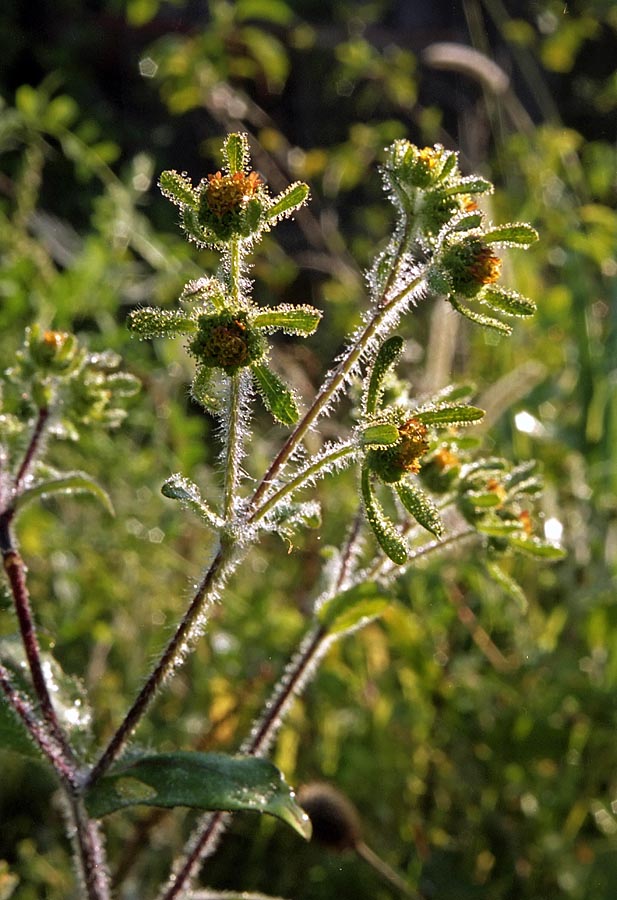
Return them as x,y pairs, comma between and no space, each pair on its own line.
331,386
31,450
46,743
89,851
334,455
15,572
205,838
233,444
170,658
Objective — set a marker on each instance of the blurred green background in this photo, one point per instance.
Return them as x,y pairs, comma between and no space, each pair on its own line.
476,735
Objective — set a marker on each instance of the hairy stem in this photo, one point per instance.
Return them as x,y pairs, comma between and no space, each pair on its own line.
305,475
49,747
89,851
31,450
16,574
169,660
233,445
211,827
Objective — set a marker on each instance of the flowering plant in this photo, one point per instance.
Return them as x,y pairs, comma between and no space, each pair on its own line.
423,488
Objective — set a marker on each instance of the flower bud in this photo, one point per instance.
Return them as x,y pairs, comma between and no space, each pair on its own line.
227,341
394,462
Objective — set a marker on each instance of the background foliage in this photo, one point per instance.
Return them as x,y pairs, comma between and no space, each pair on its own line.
475,734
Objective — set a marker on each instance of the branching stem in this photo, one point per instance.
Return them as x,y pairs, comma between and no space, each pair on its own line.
331,386
169,660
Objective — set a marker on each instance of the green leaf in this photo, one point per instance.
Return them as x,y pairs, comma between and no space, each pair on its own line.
509,302
204,390
236,152
288,201
177,487
470,185
507,584
178,189
151,322
275,11
290,319
277,397
380,435
66,483
209,781
516,234
421,507
535,546
454,414
484,499
479,318
467,222
388,538
353,608
386,357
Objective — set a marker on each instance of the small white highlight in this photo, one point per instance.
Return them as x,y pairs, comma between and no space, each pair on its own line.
147,67
528,424
553,530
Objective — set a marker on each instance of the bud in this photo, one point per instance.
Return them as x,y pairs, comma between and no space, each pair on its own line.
229,204
53,351
393,463
468,266
227,341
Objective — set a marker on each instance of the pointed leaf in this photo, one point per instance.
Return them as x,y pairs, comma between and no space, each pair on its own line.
178,189
204,390
388,538
66,483
236,152
152,322
467,222
290,319
183,489
507,584
455,414
471,185
508,302
387,356
353,608
517,233
210,781
277,397
289,200
421,507
479,318
380,435
535,546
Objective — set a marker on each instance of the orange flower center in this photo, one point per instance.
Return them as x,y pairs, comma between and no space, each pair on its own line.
228,193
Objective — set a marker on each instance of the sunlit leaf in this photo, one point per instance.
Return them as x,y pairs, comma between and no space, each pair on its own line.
66,483
387,355
277,397
384,530
209,781
353,608
421,507
290,319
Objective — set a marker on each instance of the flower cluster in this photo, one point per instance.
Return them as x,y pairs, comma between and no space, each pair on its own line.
53,372
442,230
227,331
232,205
396,440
